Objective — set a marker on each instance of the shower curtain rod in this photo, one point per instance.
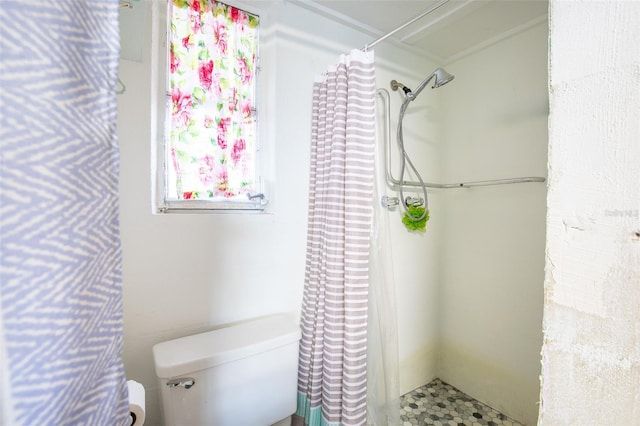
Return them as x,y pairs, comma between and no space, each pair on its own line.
384,94
406,24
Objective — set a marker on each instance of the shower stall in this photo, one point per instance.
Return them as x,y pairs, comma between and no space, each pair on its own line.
469,290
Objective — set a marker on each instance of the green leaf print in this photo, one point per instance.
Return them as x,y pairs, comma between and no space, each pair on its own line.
199,94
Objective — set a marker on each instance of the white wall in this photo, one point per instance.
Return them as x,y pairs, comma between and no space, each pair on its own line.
591,354
493,246
184,274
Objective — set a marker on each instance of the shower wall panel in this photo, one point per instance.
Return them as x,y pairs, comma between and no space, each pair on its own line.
493,251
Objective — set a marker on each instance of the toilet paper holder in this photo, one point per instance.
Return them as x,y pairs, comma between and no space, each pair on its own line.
185,382
136,403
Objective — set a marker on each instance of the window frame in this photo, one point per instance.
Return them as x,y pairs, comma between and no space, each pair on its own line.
256,202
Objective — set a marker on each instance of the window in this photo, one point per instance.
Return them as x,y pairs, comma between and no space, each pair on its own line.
209,150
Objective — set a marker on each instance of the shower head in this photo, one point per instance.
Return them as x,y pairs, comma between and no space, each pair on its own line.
441,78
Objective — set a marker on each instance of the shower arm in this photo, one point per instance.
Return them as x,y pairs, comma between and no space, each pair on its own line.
395,183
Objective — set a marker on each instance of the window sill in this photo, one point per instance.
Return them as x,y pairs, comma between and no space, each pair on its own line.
204,206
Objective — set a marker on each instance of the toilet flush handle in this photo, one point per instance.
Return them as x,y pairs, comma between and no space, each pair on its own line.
185,382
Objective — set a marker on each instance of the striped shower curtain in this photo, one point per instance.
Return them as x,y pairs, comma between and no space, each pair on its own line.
60,258
332,386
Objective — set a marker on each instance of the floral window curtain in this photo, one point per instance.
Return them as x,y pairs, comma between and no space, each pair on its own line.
213,61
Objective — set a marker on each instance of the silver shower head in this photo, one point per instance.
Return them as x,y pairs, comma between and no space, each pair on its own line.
441,78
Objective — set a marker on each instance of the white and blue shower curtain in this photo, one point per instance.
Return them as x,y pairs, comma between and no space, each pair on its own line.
60,257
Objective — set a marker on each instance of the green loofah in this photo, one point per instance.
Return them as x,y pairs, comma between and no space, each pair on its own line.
416,225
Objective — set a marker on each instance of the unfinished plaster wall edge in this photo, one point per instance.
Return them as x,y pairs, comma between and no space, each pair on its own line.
591,351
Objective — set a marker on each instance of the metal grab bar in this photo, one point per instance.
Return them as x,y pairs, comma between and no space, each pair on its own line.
391,180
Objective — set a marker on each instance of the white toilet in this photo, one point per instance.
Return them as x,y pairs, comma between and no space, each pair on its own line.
241,375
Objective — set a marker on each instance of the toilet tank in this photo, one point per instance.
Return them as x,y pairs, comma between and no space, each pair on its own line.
241,375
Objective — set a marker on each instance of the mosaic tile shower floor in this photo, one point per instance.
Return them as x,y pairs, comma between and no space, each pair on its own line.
438,403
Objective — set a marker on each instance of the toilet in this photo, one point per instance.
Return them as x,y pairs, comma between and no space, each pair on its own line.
241,375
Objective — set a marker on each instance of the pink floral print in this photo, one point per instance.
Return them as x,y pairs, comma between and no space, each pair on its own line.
212,54
181,110
205,70
238,149
220,36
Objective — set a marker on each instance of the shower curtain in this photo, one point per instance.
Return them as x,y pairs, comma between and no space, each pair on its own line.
383,375
332,378
60,258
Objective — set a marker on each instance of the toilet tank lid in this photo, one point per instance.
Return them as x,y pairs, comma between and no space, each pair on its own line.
198,352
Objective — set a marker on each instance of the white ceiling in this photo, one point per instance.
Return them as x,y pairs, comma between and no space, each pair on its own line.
454,29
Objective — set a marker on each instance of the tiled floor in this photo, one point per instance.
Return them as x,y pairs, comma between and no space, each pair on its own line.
438,403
